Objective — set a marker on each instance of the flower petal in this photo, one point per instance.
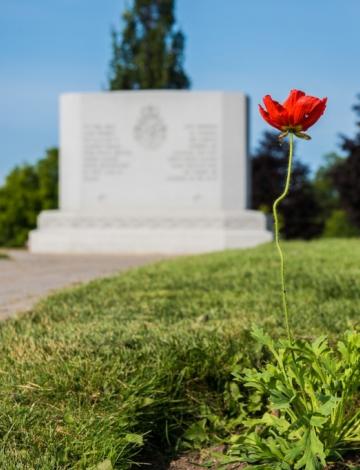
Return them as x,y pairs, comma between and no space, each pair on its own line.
303,108
290,103
293,97
314,115
277,112
267,118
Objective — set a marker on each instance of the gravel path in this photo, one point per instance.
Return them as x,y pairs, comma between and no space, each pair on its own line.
26,277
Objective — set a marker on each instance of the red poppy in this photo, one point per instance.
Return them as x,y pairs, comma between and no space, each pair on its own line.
295,115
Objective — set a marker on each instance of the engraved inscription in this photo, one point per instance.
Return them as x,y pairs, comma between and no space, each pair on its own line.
104,155
197,161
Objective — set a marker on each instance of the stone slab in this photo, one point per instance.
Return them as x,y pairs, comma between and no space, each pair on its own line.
153,150
152,172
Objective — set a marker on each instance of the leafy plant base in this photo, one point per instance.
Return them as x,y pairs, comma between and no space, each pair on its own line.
203,459
309,389
197,460
352,463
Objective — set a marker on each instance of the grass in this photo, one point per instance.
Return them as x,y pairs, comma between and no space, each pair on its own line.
101,372
4,255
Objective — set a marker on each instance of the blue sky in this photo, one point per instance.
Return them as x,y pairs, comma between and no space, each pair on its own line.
256,46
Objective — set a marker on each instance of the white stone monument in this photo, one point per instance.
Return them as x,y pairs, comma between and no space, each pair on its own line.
152,172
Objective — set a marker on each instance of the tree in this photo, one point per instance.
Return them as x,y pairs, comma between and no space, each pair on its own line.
326,193
47,170
337,225
28,190
149,53
346,175
300,212
336,220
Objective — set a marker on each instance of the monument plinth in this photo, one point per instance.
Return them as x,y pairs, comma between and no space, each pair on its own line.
152,171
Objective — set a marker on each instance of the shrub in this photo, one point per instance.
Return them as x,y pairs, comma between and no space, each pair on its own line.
338,225
28,190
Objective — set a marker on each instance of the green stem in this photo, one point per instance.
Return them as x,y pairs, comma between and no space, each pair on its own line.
276,219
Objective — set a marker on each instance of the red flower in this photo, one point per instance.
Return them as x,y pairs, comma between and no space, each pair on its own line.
295,115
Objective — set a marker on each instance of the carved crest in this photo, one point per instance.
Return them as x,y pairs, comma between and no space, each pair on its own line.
150,129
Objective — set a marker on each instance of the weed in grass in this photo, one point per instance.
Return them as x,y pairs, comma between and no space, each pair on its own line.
311,397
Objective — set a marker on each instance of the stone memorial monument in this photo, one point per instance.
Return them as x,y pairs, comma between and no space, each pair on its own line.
152,172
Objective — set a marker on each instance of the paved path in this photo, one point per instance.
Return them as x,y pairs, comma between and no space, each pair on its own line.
26,277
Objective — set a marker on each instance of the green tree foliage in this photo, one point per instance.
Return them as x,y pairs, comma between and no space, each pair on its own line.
326,193
336,220
48,175
149,53
28,189
346,175
338,225
300,212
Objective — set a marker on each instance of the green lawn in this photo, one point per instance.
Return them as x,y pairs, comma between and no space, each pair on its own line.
93,369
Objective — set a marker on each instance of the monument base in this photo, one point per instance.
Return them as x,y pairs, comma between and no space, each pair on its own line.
165,232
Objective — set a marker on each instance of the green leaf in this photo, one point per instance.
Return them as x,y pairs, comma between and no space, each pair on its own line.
259,335
281,398
319,345
317,447
313,452
197,432
105,465
328,406
134,439
148,401
318,421
68,418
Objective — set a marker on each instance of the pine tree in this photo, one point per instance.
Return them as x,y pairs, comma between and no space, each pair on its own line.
346,175
149,53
